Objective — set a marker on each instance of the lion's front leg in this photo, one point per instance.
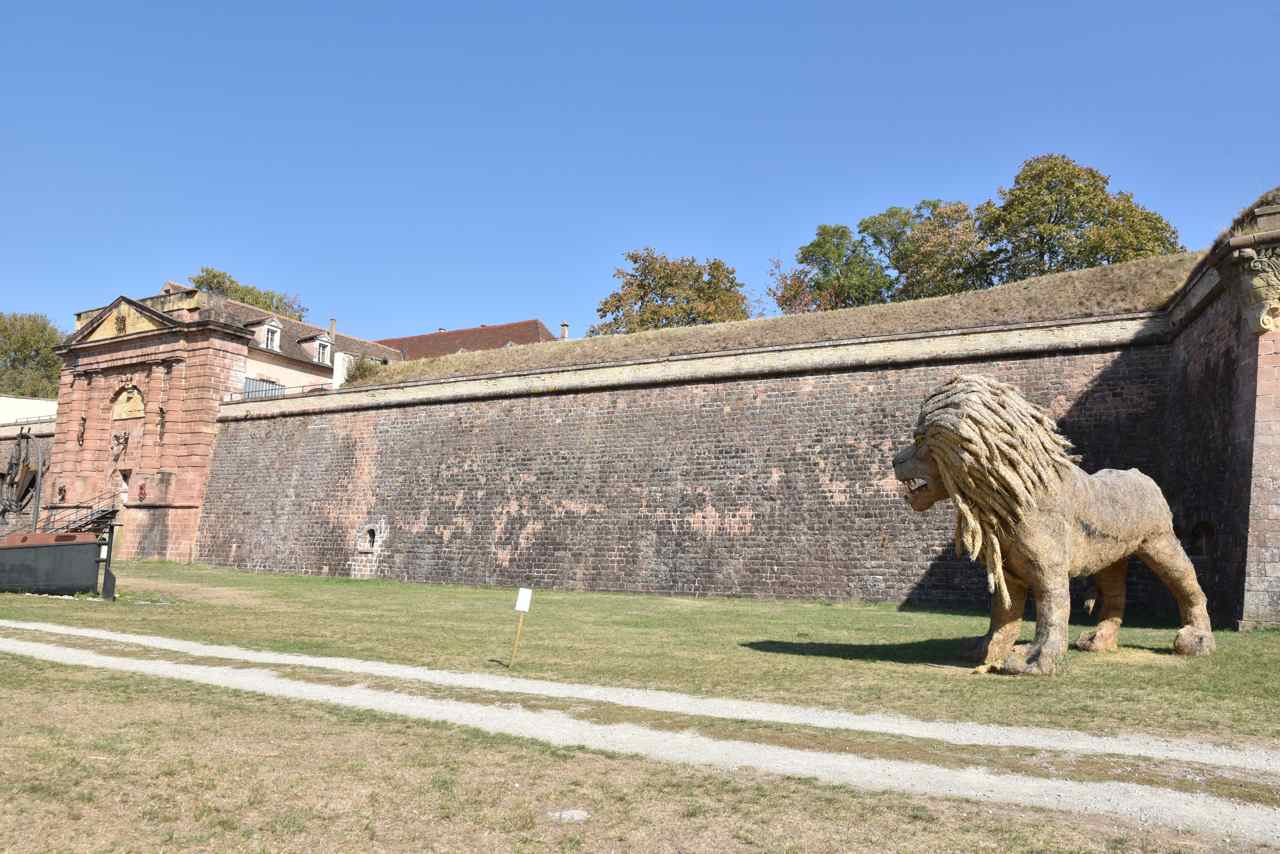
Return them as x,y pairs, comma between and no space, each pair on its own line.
1053,609
994,647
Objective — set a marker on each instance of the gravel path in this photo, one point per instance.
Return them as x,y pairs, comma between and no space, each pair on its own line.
1145,804
951,732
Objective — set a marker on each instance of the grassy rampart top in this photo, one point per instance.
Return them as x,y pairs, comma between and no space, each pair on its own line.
1144,285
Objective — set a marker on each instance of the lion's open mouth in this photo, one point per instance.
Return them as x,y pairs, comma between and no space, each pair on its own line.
916,484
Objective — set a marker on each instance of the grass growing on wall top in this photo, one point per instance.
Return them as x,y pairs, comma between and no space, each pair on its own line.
1135,286
864,658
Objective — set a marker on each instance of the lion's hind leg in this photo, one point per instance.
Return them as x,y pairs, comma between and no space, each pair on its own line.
1164,554
1111,587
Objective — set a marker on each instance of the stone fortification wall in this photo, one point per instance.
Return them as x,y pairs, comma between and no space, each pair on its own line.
1209,438
761,474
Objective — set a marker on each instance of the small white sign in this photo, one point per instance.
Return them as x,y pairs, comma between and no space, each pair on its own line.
523,599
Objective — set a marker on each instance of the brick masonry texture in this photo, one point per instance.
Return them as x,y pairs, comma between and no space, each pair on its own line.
1207,445
778,486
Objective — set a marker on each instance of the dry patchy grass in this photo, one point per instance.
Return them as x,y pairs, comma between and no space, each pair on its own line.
856,657
102,761
1182,776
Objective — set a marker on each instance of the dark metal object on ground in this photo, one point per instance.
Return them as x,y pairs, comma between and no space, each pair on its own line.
61,564
65,556
108,542
20,482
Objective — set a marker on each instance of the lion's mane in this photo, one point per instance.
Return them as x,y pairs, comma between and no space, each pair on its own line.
998,453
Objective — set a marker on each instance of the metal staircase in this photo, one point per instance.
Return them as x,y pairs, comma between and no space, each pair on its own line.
94,515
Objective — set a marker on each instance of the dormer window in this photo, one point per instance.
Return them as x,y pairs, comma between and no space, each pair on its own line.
322,352
271,335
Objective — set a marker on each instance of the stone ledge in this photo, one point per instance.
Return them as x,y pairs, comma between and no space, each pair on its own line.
1020,340
39,429
1256,625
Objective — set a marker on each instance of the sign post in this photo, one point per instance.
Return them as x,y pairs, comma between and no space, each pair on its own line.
523,599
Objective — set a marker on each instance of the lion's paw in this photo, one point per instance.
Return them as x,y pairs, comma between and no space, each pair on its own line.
1036,663
1097,640
1193,641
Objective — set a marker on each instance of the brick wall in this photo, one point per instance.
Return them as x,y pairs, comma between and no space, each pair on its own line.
1207,440
1260,598
770,486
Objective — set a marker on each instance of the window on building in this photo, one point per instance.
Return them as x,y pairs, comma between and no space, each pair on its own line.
272,338
322,352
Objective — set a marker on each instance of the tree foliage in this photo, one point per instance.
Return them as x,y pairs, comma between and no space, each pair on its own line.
1059,215
223,283
834,270
28,365
658,292
929,250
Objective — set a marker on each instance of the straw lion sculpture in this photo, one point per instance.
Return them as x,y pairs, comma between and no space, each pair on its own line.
1036,519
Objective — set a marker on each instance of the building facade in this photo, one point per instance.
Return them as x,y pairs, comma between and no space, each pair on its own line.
139,395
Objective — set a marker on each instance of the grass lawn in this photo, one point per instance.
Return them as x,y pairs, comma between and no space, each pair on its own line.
864,658
100,761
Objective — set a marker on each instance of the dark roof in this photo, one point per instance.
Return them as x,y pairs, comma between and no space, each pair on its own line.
294,332
1144,285
467,340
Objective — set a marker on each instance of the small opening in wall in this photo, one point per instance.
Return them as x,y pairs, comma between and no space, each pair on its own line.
1201,540
370,538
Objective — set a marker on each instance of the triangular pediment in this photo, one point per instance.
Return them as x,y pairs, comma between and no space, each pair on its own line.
123,317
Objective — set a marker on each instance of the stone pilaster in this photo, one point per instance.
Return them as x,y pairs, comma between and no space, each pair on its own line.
1253,266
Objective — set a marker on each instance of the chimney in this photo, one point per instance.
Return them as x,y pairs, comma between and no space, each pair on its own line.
564,330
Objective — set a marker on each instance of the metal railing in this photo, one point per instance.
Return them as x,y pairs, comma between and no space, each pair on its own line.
94,514
34,419
272,392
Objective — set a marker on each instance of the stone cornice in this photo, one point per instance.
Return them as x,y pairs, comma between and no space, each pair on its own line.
1256,277
958,345
176,329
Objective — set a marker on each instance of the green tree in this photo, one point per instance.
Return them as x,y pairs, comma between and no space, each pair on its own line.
834,270
28,365
929,250
660,292
219,282
1059,215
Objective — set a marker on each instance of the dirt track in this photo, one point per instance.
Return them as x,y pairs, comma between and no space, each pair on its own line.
951,732
1202,813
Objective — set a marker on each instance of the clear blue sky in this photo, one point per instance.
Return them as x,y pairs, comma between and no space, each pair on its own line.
409,166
